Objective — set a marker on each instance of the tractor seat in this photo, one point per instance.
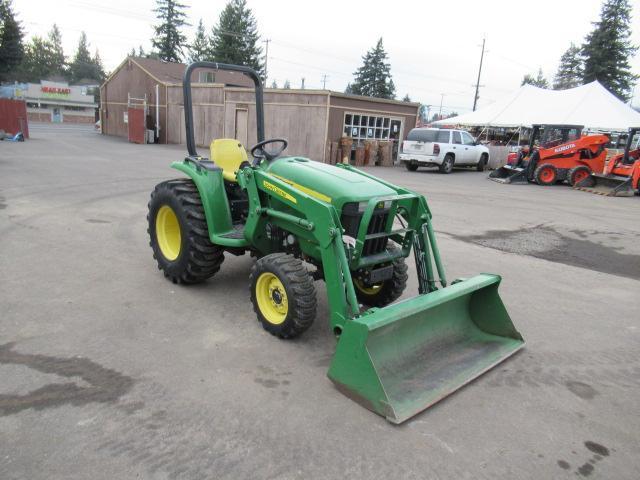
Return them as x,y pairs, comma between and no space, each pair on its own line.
228,154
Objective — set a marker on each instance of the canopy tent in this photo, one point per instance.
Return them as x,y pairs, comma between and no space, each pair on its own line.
590,105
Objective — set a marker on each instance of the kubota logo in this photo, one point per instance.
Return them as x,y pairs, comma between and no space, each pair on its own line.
564,147
278,191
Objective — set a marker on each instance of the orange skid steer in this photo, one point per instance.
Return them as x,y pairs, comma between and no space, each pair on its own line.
555,153
622,173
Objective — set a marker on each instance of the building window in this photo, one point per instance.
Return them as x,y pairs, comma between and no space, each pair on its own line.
206,77
366,127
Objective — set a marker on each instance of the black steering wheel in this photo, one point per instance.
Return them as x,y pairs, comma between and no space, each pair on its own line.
258,151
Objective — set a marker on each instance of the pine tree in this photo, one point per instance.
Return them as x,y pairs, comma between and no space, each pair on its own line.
235,39
11,46
55,39
132,52
99,67
83,66
373,78
168,40
286,85
39,62
570,71
406,98
538,81
607,49
274,84
199,49
348,89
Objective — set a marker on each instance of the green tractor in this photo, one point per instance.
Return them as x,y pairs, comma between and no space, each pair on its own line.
306,221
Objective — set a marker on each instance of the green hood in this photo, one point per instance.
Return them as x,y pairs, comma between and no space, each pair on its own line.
327,182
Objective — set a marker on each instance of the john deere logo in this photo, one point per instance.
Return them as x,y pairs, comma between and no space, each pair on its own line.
278,191
380,205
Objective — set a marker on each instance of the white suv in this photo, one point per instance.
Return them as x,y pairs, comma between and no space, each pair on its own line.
442,148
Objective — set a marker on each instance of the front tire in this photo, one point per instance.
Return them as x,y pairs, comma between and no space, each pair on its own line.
385,292
447,164
178,233
283,295
482,163
546,174
578,174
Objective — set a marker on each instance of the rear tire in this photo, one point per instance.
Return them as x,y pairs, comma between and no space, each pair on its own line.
578,174
283,295
482,163
388,291
546,174
178,233
447,164
412,167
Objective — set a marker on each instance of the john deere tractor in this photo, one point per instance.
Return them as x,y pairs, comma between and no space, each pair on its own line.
304,221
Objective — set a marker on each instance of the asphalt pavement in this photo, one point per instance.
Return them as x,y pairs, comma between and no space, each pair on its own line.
110,371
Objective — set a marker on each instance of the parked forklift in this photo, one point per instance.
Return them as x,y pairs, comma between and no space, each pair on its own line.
555,153
622,173
305,220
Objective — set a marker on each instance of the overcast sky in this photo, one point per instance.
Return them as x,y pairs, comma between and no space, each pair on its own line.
433,47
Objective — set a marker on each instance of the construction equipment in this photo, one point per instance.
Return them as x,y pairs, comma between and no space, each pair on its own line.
621,174
562,154
306,221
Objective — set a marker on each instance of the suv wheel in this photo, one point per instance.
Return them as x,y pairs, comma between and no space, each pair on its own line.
411,166
482,163
447,164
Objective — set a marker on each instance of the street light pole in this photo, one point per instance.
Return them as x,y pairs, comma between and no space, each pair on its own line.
440,112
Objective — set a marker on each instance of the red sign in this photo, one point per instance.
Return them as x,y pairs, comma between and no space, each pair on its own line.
56,90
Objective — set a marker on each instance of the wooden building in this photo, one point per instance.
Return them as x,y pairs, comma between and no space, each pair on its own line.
224,107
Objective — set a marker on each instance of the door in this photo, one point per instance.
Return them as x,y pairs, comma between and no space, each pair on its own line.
56,116
136,124
242,118
394,136
471,153
458,148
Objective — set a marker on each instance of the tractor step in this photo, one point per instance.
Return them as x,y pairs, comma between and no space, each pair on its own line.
236,233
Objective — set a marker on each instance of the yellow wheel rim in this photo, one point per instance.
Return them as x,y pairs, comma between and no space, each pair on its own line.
272,298
372,290
168,233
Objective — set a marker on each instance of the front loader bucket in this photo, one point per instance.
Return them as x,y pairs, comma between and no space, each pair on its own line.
401,359
609,185
509,174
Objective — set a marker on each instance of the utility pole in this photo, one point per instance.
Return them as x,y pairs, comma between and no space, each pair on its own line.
440,112
475,98
324,81
266,57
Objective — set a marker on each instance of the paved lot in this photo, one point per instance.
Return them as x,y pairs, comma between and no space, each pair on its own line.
111,372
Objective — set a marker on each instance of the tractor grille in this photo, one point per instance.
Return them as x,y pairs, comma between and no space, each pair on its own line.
351,219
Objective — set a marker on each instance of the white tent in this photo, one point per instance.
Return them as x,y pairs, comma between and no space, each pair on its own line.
590,105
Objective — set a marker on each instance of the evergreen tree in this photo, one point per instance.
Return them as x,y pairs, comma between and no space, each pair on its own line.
39,62
168,40
11,46
274,84
55,39
132,52
538,81
348,89
83,66
235,39
286,85
406,98
373,78
607,49
570,71
99,67
199,49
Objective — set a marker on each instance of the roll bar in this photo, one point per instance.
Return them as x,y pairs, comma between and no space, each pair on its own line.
188,103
